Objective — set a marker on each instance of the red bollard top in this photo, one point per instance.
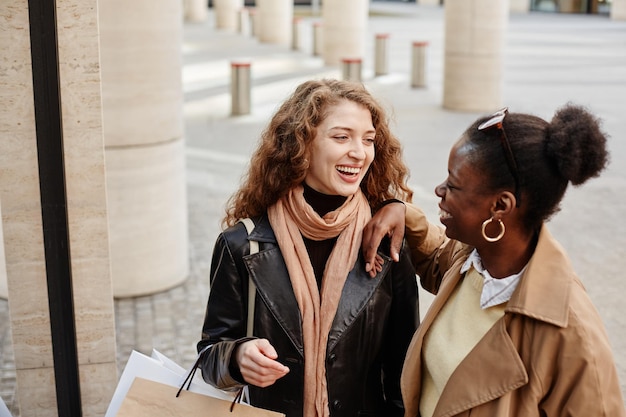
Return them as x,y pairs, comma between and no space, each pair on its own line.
351,60
237,64
382,35
420,43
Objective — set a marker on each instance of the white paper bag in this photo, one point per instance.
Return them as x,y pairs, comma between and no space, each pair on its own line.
161,369
4,411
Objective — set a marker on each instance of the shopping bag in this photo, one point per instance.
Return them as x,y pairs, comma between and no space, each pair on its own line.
161,369
4,411
197,383
147,398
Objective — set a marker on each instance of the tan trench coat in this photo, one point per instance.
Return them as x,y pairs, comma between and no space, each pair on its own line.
548,356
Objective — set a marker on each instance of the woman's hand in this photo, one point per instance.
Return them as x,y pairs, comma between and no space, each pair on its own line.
257,363
388,221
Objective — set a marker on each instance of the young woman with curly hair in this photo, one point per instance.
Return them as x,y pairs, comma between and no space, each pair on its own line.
327,340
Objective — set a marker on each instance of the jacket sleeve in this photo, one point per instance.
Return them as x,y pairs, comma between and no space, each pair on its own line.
432,252
226,314
403,322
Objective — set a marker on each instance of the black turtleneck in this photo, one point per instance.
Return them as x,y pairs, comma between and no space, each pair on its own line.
319,250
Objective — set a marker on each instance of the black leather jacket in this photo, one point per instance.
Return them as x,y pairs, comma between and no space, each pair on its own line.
373,326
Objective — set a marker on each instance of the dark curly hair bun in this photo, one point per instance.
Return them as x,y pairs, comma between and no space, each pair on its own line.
577,144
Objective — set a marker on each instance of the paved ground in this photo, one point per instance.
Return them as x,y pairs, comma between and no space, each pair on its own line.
549,60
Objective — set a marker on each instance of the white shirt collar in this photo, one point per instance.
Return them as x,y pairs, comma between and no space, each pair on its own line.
495,291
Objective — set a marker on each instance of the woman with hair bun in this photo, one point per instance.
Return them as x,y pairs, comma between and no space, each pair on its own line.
511,331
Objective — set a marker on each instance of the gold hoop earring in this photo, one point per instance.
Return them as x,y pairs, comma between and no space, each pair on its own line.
493,239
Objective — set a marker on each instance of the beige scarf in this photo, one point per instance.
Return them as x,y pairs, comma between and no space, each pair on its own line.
291,217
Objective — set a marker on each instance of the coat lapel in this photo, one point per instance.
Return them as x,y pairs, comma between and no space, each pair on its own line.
357,291
544,291
493,367
277,293
411,381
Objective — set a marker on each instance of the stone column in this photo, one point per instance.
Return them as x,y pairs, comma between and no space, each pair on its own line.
618,10
474,44
227,14
275,19
196,11
345,24
4,289
83,154
143,133
519,6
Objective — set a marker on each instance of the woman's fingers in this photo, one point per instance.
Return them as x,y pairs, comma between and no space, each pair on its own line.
388,221
258,364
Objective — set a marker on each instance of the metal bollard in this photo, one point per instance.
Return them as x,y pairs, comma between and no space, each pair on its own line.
380,64
318,40
254,25
243,24
295,33
418,70
240,88
351,69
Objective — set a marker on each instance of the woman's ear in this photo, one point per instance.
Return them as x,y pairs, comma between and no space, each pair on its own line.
504,203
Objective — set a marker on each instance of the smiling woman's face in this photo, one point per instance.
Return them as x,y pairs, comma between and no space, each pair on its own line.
465,203
342,151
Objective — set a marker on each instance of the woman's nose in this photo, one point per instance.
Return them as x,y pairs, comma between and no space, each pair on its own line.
440,190
357,150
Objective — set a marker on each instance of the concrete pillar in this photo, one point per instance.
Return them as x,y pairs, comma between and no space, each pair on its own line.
345,24
143,133
474,44
275,21
196,11
83,154
227,14
4,289
519,6
618,10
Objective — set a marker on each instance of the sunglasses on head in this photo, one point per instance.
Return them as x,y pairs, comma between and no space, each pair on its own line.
495,121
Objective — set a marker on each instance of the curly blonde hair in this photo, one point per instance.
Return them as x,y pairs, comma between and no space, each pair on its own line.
280,161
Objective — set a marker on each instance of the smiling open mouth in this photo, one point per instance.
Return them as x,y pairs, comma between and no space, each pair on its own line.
348,170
